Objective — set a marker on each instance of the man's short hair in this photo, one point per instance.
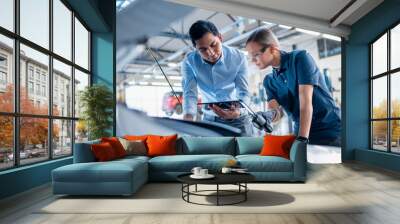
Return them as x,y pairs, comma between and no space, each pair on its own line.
200,28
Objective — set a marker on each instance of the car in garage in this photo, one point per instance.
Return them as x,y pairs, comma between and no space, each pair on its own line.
171,104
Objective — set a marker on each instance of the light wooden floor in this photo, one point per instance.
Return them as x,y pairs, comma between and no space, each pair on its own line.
378,188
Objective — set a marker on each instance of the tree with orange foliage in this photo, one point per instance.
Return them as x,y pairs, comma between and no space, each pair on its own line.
6,122
33,131
380,127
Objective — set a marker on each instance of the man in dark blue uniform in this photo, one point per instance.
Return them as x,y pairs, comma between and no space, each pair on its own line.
297,86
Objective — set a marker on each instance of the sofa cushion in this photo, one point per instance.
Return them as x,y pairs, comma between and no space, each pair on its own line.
277,145
185,163
257,163
112,171
136,137
83,152
135,147
103,152
131,158
116,145
161,145
206,145
249,145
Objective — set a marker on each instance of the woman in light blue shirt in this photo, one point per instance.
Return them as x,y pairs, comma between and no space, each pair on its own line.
219,73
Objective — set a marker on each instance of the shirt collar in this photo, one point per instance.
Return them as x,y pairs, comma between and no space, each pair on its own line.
283,66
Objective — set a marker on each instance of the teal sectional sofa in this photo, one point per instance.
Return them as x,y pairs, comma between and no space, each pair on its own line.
125,176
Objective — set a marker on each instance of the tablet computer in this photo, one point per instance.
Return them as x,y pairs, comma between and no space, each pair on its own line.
223,104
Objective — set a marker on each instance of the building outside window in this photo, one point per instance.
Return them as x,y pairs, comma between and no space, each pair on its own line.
43,90
3,78
38,89
37,74
3,72
3,61
33,99
385,95
30,87
43,77
30,72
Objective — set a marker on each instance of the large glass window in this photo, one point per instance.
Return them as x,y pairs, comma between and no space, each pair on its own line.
7,14
395,136
62,94
379,56
62,29
40,61
6,142
62,137
81,82
6,75
35,21
385,95
45,81
81,45
379,99
33,140
395,47
81,131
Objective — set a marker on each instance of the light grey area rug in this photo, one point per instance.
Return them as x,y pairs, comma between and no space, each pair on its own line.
166,198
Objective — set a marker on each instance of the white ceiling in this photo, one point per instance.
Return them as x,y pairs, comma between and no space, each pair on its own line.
313,15
321,9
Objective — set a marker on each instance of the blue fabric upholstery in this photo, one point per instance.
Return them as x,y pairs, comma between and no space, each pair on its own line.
119,177
184,163
206,145
257,163
83,152
249,145
298,155
167,168
273,176
125,176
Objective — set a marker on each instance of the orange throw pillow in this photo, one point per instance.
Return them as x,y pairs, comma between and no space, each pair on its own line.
116,145
161,145
103,152
275,145
136,137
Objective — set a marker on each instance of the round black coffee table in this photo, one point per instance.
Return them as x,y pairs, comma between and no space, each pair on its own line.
238,179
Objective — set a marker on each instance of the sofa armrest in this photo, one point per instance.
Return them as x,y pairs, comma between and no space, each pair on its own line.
298,155
83,152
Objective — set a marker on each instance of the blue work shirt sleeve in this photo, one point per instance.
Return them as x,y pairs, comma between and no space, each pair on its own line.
241,82
189,86
269,89
306,69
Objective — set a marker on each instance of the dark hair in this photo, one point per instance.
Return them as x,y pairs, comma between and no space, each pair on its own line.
263,36
201,27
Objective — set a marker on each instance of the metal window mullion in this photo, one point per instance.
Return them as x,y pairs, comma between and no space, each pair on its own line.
89,51
43,50
50,81
114,72
371,89
73,82
384,119
389,107
16,84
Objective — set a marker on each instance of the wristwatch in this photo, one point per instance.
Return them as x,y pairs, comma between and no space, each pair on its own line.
302,139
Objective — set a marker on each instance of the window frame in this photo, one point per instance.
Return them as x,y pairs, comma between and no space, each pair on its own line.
388,74
16,114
